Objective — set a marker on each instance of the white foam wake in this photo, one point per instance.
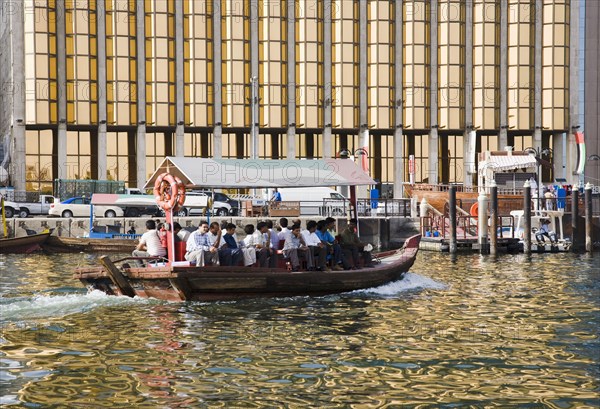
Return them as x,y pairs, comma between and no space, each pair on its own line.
46,306
411,281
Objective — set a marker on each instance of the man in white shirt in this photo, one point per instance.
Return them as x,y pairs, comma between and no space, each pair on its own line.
200,248
257,240
149,245
285,232
318,250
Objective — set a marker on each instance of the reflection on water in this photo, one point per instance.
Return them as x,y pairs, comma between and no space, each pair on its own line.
514,333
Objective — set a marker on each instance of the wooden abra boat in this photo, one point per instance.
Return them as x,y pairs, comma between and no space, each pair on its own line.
24,244
178,281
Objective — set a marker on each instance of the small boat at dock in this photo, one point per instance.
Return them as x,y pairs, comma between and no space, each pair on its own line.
24,244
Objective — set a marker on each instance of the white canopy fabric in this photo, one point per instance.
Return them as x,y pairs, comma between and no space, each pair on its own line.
508,162
249,173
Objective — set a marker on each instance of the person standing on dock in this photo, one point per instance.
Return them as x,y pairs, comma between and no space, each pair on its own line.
200,248
149,245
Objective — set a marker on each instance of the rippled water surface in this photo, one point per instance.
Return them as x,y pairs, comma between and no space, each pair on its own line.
515,332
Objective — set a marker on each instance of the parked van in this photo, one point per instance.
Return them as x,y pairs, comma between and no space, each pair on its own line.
322,201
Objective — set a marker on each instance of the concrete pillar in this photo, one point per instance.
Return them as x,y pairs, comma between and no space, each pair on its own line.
398,89
503,135
362,69
327,94
179,80
17,23
141,94
61,62
468,168
291,79
574,125
254,73
537,91
588,217
102,92
217,83
559,155
433,92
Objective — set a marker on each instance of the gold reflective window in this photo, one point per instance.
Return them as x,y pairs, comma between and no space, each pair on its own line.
121,66
417,66
345,63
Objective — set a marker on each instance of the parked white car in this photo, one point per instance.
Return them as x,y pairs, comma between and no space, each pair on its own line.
80,207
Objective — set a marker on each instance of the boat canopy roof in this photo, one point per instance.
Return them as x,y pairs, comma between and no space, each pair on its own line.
254,173
122,200
499,163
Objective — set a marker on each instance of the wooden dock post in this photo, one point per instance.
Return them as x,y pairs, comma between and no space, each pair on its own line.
452,215
574,218
494,218
588,217
482,218
527,216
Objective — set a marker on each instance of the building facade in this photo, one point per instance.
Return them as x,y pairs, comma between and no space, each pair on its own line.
104,89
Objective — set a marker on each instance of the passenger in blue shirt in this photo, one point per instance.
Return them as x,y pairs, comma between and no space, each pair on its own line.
333,248
230,253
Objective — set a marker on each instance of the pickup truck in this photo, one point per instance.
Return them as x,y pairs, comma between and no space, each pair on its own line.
10,209
42,206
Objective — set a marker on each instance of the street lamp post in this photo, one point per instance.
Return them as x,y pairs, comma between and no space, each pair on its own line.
538,153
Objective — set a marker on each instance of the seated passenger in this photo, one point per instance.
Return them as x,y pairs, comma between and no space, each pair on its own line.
248,251
333,248
230,253
353,248
295,248
544,231
318,250
200,248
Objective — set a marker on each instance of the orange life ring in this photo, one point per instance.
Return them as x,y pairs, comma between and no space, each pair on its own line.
474,209
169,192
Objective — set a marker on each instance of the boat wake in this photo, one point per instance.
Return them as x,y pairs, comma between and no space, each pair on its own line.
410,282
48,306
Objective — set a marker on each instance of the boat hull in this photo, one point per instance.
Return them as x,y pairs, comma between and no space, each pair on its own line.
179,283
24,244
89,245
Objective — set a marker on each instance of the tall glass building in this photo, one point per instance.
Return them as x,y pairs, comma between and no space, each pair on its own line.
105,89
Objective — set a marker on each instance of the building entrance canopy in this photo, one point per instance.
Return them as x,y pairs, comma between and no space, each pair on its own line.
250,173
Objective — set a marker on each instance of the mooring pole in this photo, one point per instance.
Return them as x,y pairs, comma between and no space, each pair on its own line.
452,215
574,217
494,218
527,217
482,213
588,217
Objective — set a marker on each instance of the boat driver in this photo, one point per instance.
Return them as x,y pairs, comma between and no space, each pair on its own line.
149,245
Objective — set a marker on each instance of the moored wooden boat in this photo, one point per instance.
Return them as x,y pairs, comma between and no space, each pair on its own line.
24,244
181,282
89,245
438,198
